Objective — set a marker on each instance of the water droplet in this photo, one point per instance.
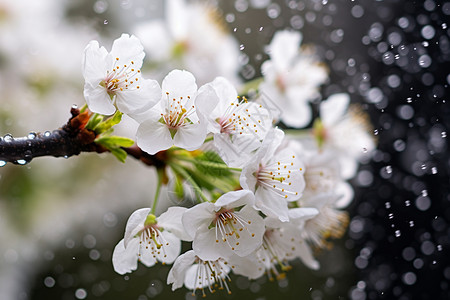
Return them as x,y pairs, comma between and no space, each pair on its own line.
434,170
66,156
105,22
439,247
388,205
47,133
74,106
398,233
261,28
21,162
444,25
423,166
8,137
424,193
389,169
411,223
32,135
443,134
375,132
324,2
391,216
407,203
2,163
241,47
365,150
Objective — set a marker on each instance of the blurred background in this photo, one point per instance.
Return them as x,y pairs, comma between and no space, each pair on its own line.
60,218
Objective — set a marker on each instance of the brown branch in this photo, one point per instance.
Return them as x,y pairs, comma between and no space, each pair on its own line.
72,139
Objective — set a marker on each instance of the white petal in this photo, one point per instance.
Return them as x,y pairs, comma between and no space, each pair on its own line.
190,137
247,266
178,84
152,136
135,223
296,112
127,49
302,213
171,220
334,108
94,63
125,259
247,179
170,250
206,247
304,253
146,254
236,150
284,47
205,102
251,237
177,19
271,204
346,193
98,99
200,214
235,199
139,99
177,273
349,166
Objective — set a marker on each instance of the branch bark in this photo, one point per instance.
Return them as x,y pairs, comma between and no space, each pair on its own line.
72,139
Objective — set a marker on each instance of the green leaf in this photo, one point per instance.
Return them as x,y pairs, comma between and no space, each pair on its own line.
210,163
119,153
108,123
114,141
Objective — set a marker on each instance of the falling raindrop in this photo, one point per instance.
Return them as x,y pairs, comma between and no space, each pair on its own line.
398,233
32,135
105,22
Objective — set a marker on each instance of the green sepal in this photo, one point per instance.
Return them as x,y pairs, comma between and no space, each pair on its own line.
108,123
178,188
209,162
119,153
94,121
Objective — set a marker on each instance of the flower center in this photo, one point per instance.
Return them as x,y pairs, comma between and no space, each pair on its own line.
121,78
237,119
211,274
151,238
178,113
273,255
229,227
277,177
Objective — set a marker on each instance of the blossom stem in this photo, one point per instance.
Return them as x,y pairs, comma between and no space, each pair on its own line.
182,172
160,173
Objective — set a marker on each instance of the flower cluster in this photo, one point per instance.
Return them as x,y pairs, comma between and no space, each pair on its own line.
263,197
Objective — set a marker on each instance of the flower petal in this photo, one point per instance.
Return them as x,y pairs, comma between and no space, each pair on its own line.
235,199
128,49
98,99
200,214
177,273
247,266
125,259
135,223
271,204
94,65
334,108
190,137
170,250
152,136
179,83
171,220
284,47
205,246
140,99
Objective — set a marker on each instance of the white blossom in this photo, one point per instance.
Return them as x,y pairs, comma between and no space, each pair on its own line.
344,132
239,126
228,226
291,78
275,175
175,120
114,79
149,239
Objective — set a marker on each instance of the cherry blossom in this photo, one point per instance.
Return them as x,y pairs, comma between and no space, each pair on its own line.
175,120
239,126
228,226
149,239
291,78
344,132
275,174
114,79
